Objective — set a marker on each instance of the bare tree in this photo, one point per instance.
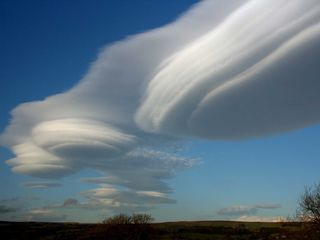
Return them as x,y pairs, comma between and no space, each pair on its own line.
142,219
308,212
309,205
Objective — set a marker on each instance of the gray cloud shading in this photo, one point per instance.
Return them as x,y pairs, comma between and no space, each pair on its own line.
128,201
41,184
108,197
143,170
7,209
70,202
244,210
223,70
9,206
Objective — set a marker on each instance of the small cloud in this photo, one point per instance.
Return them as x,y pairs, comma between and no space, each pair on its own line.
117,200
268,206
239,210
260,219
35,185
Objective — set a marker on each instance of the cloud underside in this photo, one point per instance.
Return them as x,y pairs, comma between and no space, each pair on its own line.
231,70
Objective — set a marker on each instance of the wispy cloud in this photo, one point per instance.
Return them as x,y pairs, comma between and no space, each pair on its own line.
260,219
45,215
107,197
239,210
15,207
223,70
40,184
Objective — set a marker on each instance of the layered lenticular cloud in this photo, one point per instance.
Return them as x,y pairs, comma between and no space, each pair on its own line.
254,74
224,70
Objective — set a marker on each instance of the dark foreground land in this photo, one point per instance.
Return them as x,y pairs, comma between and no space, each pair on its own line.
204,230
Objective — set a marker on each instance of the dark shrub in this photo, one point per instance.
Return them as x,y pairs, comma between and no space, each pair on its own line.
123,227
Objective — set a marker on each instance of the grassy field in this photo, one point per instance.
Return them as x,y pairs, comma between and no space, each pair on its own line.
203,230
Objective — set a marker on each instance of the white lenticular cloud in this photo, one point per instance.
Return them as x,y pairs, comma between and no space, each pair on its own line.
80,140
224,70
254,74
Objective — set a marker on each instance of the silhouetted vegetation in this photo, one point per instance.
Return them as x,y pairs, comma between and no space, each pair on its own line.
309,205
43,231
119,227
123,227
309,211
139,227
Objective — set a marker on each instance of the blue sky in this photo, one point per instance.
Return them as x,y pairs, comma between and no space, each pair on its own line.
48,47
